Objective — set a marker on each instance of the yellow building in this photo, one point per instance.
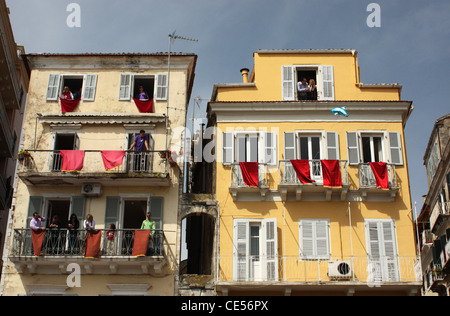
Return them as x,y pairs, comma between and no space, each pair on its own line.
106,119
334,233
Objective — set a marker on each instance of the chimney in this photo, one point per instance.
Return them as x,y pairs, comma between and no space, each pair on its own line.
244,72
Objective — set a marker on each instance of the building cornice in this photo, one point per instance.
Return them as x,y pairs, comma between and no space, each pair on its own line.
102,119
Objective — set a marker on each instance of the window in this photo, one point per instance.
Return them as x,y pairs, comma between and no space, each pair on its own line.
314,238
376,146
249,147
140,161
311,145
155,86
255,250
83,86
382,250
63,141
322,75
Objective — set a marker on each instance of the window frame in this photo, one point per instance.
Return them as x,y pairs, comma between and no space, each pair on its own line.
59,85
314,238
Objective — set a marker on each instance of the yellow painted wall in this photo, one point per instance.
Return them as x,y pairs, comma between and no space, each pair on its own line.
268,78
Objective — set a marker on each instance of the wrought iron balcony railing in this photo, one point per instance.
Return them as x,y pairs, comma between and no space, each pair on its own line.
367,178
237,179
72,243
50,161
289,177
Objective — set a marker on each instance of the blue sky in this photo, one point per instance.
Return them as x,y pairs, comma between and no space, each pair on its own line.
411,47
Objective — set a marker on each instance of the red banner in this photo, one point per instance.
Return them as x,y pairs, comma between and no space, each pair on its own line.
250,173
112,158
37,238
302,169
69,105
140,244
381,175
72,160
144,106
93,241
331,173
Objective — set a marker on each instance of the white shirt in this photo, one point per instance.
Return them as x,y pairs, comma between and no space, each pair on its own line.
89,225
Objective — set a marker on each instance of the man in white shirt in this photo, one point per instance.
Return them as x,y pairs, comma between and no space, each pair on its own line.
36,222
302,88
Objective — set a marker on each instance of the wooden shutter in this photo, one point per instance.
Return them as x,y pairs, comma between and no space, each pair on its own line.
290,145
332,145
269,155
307,239
35,204
315,239
327,83
77,206
322,246
353,154
271,249
395,145
390,251
112,211
161,87
53,87
241,250
227,148
89,87
157,209
125,86
288,84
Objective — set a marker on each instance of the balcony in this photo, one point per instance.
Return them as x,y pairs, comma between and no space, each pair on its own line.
62,247
6,136
368,187
43,167
439,216
302,275
238,186
290,185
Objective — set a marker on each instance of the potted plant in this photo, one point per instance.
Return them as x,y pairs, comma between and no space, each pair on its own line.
23,155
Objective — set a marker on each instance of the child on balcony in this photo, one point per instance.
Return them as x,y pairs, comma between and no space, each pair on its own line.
110,235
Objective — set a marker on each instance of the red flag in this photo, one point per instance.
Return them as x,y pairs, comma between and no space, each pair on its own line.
301,167
37,238
381,175
112,158
69,105
144,106
250,173
72,160
94,238
331,173
140,244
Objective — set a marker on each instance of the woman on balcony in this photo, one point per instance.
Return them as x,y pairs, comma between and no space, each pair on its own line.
73,226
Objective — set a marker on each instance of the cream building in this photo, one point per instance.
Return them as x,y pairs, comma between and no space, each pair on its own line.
105,119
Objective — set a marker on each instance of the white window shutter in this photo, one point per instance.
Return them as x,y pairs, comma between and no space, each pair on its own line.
53,87
322,239
270,148
353,153
288,84
227,148
307,239
395,145
271,249
241,250
89,87
390,251
290,145
125,87
327,83
332,145
161,87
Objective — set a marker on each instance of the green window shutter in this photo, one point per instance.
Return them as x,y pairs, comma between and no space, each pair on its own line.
112,211
77,206
35,204
157,208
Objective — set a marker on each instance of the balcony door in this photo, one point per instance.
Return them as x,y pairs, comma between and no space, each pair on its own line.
310,149
247,148
134,212
140,161
63,141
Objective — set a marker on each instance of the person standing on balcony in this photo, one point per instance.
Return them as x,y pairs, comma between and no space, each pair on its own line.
73,226
89,223
140,144
36,222
149,224
302,89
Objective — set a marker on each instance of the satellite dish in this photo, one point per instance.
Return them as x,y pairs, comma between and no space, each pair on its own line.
340,111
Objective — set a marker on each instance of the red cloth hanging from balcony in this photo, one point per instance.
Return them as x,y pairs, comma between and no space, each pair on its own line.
144,106
331,172
140,245
69,105
381,175
112,158
93,241
37,237
72,160
250,173
302,169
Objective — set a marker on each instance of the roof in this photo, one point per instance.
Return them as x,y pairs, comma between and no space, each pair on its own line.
109,54
306,51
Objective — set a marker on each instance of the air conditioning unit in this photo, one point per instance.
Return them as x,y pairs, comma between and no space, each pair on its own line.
91,189
339,269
